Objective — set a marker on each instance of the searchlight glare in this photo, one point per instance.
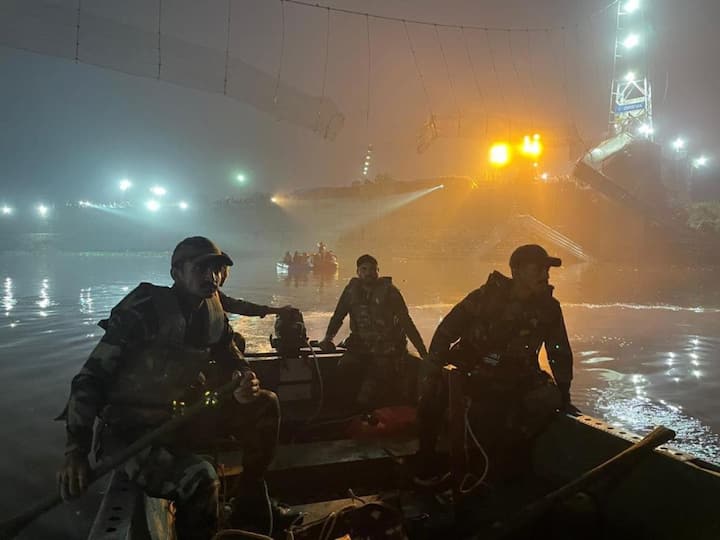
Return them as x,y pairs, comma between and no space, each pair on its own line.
700,162
42,210
678,144
183,205
240,178
645,129
631,6
631,41
274,199
6,210
630,76
152,205
158,191
125,184
499,154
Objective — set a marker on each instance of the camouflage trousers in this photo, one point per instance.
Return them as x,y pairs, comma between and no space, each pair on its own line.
175,472
505,415
381,378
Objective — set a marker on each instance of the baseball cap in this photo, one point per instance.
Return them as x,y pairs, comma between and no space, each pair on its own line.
532,253
198,248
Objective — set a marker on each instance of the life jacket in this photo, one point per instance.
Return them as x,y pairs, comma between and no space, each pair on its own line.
506,334
156,376
374,327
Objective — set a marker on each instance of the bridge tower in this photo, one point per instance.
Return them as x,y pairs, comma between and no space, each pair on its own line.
630,95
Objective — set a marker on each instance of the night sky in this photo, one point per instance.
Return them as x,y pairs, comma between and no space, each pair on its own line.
70,131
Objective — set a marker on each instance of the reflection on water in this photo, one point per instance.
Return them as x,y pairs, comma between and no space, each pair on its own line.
645,351
8,301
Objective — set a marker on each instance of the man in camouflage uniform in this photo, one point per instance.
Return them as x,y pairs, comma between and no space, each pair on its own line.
495,335
380,326
162,346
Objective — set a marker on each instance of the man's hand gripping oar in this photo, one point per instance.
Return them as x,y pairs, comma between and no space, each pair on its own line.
10,528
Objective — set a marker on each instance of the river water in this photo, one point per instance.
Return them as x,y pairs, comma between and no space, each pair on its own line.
646,344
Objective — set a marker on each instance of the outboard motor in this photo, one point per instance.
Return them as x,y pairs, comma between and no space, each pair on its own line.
290,334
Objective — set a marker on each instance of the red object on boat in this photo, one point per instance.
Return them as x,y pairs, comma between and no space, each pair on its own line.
385,422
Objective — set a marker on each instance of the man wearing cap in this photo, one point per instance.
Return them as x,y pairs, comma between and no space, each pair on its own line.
495,335
380,326
162,346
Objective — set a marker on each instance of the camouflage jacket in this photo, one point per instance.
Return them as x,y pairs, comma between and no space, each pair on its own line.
238,306
133,324
491,327
378,317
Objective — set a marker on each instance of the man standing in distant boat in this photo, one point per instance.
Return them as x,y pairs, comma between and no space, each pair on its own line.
380,326
161,348
495,335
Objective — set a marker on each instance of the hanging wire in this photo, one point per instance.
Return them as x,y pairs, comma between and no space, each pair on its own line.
282,51
569,103
159,40
593,44
325,70
77,32
531,73
521,87
227,45
473,70
496,75
416,21
449,75
419,71
369,71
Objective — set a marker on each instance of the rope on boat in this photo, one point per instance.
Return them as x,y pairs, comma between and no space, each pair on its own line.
239,533
468,430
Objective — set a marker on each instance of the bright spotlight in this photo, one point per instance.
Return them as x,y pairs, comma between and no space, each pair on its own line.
631,41
42,210
531,147
499,154
630,76
274,200
700,162
631,6
158,191
678,144
645,129
240,178
152,205
6,210
544,176
125,184
183,205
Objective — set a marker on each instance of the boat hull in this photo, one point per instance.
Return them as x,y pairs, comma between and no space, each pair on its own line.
668,495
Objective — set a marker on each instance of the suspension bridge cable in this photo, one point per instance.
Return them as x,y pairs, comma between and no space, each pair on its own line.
77,32
473,70
498,84
282,51
227,45
521,87
449,75
417,21
369,66
419,71
159,38
325,70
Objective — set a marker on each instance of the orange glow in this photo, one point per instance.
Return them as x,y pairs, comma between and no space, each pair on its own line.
499,154
531,146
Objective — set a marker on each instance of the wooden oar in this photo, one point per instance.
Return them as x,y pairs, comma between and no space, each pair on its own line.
625,459
10,528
